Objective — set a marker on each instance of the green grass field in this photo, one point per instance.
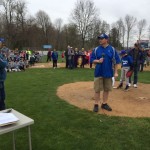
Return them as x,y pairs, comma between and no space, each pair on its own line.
61,126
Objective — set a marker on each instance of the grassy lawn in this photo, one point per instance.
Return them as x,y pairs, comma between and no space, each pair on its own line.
61,126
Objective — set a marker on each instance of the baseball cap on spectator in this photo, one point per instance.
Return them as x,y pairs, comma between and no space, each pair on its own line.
123,52
103,36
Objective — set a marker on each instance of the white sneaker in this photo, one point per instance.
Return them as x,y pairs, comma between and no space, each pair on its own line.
135,86
129,84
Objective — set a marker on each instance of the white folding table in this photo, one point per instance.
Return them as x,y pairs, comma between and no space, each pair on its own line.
24,121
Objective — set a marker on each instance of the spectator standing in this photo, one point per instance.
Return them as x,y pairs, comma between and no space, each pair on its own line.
148,58
62,56
76,54
3,64
137,57
103,56
71,58
143,60
83,58
66,56
90,59
49,55
27,54
55,58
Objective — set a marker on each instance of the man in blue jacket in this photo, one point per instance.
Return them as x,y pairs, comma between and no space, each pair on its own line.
3,64
104,56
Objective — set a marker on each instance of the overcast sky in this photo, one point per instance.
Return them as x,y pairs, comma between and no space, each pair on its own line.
110,10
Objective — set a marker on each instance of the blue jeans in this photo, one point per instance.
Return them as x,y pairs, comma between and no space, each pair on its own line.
2,95
71,63
135,78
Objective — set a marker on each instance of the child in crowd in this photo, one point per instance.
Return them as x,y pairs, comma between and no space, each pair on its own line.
126,65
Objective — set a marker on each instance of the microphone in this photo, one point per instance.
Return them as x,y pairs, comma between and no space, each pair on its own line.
103,55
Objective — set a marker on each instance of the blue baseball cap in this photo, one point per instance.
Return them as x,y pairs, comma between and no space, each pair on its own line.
123,52
103,36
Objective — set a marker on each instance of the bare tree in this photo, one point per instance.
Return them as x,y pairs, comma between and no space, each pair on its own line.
43,21
119,25
21,10
9,16
1,24
123,34
20,24
9,8
141,24
83,17
104,27
70,36
58,27
130,23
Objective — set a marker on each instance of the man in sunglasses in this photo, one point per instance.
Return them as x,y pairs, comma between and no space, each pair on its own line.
104,56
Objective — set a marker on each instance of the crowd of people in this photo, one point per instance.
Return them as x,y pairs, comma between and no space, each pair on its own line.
72,57
77,58
19,60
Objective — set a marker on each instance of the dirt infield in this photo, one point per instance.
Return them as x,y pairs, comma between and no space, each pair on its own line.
47,65
132,103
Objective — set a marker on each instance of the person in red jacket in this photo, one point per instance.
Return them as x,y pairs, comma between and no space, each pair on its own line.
63,56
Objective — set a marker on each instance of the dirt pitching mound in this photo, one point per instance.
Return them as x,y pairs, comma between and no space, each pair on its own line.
132,103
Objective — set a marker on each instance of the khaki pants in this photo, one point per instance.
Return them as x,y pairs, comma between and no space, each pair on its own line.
102,84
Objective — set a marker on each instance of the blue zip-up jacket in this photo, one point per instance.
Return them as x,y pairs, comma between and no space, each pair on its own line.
126,61
3,64
54,55
104,69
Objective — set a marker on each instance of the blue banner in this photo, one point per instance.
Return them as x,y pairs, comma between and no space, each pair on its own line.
47,46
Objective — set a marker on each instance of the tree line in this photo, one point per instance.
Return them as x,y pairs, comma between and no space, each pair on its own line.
22,30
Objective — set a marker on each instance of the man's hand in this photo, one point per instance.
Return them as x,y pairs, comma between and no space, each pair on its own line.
100,60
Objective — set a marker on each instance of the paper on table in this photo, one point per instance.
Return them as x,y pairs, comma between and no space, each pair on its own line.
7,118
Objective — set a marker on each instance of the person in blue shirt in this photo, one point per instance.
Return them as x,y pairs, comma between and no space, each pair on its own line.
126,65
3,64
104,56
55,58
